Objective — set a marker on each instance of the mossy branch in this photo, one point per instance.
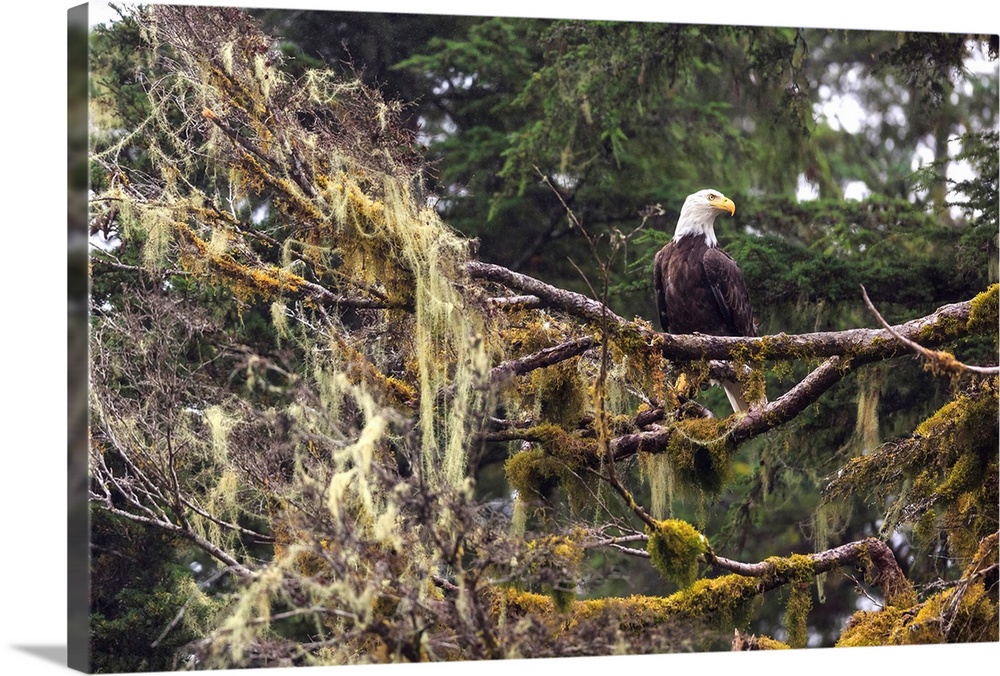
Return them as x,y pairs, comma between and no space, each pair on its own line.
947,323
542,358
756,421
872,554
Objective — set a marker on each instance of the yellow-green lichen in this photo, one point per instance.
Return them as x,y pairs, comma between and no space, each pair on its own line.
797,612
659,475
674,548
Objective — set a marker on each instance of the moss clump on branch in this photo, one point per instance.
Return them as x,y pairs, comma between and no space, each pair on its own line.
700,453
768,643
561,461
958,615
674,548
984,315
721,603
555,562
560,393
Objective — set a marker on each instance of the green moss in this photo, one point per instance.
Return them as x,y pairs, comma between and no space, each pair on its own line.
722,603
870,628
964,474
641,350
794,567
533,473
975,618
964,613
984,315
674,549
943,477
942,331
561,394
573,449
701,454
555,561
749,363
560,461
768,643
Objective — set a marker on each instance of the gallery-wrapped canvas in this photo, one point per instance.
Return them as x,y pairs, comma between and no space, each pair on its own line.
408,337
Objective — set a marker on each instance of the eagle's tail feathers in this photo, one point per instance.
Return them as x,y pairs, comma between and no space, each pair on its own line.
734,392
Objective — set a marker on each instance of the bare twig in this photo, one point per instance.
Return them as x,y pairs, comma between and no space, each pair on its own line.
937,360
642,553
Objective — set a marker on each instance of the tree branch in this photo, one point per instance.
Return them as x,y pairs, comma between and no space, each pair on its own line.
544,357
937,360
945,324
574,303
873,343
872,553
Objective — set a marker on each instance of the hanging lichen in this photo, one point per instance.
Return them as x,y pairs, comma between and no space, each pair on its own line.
659,475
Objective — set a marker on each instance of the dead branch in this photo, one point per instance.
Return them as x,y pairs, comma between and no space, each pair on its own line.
573,303
544,357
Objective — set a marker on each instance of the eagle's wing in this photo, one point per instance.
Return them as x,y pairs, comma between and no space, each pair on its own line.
659,274
730,291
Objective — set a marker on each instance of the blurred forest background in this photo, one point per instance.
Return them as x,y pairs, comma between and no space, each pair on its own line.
854,157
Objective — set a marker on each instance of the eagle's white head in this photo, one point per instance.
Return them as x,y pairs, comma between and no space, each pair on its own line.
699,212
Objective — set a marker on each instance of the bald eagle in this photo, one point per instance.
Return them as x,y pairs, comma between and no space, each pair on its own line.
699,287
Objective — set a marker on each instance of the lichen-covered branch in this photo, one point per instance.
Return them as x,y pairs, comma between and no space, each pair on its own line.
871,554
945,324
545,357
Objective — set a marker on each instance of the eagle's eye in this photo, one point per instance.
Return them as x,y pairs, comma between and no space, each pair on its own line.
711,197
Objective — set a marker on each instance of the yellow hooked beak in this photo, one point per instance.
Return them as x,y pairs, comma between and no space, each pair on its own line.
725,204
